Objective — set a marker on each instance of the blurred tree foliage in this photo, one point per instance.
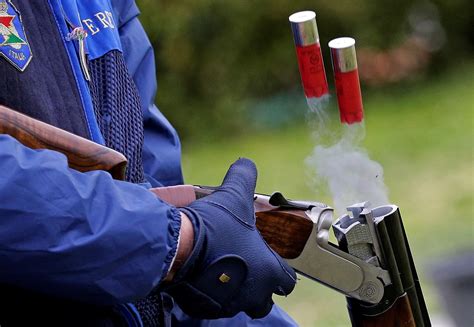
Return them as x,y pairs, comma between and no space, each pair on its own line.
212,56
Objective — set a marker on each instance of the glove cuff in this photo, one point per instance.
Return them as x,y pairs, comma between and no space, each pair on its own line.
199,236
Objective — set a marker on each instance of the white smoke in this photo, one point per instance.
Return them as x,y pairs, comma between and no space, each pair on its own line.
344,168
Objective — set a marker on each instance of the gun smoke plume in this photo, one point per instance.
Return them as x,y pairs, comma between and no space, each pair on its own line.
341,166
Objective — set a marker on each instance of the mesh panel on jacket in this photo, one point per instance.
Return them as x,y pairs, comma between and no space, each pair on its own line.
149,309
117,107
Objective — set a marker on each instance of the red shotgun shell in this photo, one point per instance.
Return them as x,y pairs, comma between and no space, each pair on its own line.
308,52
346,75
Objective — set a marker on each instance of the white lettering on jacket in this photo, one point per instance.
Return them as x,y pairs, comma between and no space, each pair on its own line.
101,20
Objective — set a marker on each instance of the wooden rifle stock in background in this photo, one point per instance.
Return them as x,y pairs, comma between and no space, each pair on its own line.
286,230
82,155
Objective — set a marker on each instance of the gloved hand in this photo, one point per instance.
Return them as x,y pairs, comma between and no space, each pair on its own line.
231,267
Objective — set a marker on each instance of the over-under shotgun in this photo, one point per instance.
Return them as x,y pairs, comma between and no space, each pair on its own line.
372,265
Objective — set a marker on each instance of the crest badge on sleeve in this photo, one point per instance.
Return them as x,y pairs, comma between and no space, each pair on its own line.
14,46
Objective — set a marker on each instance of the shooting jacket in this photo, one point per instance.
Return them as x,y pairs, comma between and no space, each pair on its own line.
84,237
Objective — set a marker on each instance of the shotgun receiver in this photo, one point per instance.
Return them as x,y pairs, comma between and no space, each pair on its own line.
372,265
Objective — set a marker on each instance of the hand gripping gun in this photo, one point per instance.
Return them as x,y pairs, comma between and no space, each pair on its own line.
372,265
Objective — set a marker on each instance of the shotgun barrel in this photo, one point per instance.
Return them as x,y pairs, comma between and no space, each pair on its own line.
403,303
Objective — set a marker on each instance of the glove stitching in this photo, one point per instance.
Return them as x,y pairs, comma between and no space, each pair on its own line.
279,261
220,206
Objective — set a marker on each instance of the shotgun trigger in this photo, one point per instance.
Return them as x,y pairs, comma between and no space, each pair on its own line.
326,263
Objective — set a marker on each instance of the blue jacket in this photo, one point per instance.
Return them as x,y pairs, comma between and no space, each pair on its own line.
85,236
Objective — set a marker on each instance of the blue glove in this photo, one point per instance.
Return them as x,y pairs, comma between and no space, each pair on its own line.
231,267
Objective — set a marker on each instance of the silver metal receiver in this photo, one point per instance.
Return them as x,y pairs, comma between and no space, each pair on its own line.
325,262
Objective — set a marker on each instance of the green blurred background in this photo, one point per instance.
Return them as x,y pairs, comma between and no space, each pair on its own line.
229,82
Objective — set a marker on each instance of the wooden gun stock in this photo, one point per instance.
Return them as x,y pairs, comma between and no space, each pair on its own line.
83,155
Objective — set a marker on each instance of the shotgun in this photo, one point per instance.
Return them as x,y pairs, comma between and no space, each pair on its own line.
372,264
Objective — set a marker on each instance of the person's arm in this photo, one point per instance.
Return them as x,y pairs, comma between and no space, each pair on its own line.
230,268
82,236
162,148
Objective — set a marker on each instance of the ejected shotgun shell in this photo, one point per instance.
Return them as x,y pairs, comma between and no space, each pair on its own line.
308,52
346,75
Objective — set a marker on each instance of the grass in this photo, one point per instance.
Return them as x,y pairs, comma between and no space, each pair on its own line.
423,136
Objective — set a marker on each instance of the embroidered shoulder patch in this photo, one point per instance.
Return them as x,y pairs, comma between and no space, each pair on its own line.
13,43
